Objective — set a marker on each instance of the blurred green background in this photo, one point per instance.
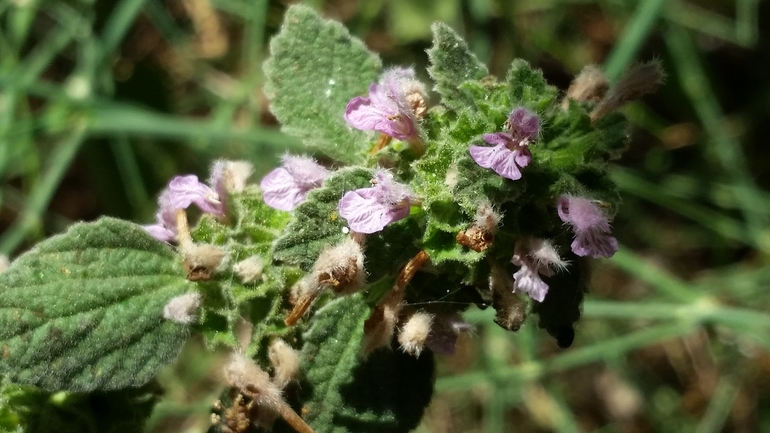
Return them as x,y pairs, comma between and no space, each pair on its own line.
102,101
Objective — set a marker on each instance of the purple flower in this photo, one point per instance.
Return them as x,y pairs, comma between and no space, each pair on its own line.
590,226
393,105
287,186
536,257
510,152
180,193
369,210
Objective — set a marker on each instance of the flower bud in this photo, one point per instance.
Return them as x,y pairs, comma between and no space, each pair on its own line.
181,309
250,270
285,361
510,309
380,326
242,373
201,260
230,176
590,85
481,234
638,80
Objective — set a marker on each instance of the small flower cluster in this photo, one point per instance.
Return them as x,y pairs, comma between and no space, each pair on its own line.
394,108
367,210
538,257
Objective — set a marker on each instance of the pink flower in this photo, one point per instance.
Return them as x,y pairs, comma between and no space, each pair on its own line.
392,107
510,152
536,257
590,226
369,210
287,186
180,193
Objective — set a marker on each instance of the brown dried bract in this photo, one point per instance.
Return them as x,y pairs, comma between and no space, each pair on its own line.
237,418
340,278
379,327
510,309
475,238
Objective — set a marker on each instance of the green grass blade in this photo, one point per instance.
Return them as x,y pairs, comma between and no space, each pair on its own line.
41,195
121,19
721,147
636,33
719,407
631,263
110,119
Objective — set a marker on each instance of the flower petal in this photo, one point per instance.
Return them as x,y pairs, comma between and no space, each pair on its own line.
498,138
159,232
280,191
485,156
594,243
522,156
506,166
528,281
364,212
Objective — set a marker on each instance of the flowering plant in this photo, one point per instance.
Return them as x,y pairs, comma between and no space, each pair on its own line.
346,275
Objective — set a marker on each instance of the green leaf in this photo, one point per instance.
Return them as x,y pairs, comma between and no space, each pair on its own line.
528,87
315,69
315,223
84,310
452,63
386,392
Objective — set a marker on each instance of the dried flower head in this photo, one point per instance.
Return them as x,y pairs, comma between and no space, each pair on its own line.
590,225
287,186
510,152
181,309
242,373
414,332
393,106
369,210
201,260
285,361
481,234
380,326
340,267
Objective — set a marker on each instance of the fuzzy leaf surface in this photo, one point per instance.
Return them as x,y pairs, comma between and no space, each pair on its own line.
316,67
83,311
452,63
386,392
